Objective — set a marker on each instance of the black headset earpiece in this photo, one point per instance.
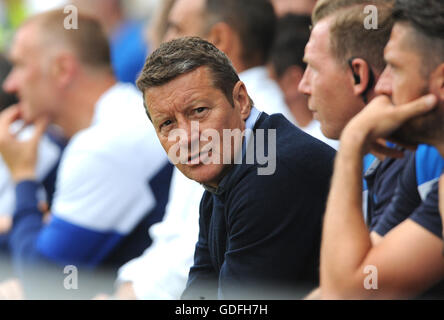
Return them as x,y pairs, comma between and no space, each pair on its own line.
356,77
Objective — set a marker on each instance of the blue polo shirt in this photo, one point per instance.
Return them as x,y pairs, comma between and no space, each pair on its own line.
416,194
380,180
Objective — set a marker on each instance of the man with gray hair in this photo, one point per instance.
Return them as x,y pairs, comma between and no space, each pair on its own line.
259,229
244,31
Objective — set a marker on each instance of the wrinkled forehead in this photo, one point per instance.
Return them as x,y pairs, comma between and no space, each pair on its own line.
180,90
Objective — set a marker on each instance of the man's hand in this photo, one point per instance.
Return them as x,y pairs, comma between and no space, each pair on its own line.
380,119
125,291
19,156
5,224
11,290
314,295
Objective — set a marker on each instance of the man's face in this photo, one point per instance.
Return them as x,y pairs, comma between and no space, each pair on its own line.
188,100
186,18
405,80
328,84
30,77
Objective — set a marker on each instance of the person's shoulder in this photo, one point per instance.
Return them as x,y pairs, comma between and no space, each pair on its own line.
289,136
428,165
129,146
428,161
296,149
120,126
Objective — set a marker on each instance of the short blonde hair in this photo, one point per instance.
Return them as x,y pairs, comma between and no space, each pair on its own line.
89,42
348,35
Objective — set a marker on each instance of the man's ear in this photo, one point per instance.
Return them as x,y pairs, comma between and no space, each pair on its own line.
63,69
437,82
221,35
241,99
360,76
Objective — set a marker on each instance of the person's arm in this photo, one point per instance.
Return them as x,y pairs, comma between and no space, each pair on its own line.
408,259
27,224
21,158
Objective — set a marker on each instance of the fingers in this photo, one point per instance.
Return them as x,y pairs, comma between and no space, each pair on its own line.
40,126
5,224
7,117
381,149
102,296
11,290
416,108
411,147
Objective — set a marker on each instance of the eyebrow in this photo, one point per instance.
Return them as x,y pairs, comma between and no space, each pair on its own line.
186,108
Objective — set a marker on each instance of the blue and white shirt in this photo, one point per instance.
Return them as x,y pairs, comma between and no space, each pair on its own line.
416,194
113,180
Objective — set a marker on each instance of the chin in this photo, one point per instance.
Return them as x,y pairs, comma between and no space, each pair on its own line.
204,174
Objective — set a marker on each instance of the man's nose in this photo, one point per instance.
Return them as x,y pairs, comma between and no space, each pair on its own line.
303,84
384,85
10,84
192,130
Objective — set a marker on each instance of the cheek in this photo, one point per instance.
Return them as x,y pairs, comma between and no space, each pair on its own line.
321,88
167,144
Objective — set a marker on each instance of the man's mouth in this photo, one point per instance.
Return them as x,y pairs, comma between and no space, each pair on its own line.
198,158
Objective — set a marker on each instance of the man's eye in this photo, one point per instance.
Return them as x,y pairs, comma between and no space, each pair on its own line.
166,123
199,110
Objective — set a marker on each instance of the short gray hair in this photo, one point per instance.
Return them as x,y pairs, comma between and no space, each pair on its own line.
185,55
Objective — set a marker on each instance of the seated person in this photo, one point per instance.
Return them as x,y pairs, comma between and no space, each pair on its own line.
407,262
287,67
260,215
113,179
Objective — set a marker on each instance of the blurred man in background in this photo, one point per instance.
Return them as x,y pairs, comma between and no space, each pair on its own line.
126,36
113,178
50,148
287,67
